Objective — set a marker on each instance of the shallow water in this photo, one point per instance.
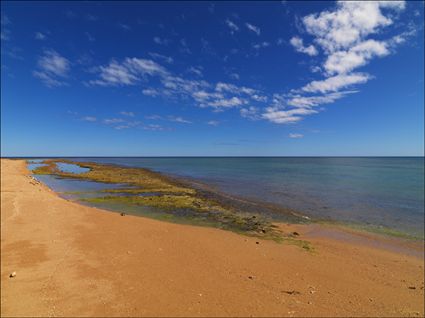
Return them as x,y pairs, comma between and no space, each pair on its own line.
75,189
385,192
71,168
375,191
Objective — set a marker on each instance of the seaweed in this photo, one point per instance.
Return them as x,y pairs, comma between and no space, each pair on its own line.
169,195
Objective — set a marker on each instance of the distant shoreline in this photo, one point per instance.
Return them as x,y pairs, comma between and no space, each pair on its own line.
40,157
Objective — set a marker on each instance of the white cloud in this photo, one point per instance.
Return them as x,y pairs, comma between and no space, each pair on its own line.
295,135
258,46
124,26
278,116
349,23
298,44
150,92
250,113
89,118
312,101
335,83
115,74
128,125
110,121
165,58
161,41
129,114
39,36
89,37
226,102
129,72
232,26
179,119
52,68
153,117
184,47
213,123
358,55
253,28
259,98
154,127
196,70
342,33
5,33
234,76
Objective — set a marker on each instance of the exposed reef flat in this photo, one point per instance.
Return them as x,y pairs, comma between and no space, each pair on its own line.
144,187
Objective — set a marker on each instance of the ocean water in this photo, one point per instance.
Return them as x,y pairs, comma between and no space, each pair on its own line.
374,191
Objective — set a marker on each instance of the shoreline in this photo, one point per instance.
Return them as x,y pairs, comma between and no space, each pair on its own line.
136,266
274,212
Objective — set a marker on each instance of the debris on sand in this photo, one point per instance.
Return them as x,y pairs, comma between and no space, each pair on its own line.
13,274
291,292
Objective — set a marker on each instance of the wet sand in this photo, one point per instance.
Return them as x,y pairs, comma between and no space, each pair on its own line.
72,260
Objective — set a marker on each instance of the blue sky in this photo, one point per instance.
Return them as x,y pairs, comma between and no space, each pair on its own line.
212,78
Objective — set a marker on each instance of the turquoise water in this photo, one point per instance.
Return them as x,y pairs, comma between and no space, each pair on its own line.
385,192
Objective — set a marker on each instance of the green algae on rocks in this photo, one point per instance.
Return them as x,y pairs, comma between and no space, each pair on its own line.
144,187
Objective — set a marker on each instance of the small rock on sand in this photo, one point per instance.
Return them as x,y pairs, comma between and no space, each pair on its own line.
13,274
122,213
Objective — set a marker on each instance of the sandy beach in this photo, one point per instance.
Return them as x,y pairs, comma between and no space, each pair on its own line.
73,260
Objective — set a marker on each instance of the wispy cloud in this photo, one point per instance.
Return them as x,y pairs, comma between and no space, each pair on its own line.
89,118
39,36
295,135
150,92
184,47
91,17
253,28
52,68
129,114
124,26
89,37
161,41
298,44
170,118
109,121
335,83
232,26
5,33
128,72
340,44
196,70
261,45
161,57
213,123
132,71
250,113
178,119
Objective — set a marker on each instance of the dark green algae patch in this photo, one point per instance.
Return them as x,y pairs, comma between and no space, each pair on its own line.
174,200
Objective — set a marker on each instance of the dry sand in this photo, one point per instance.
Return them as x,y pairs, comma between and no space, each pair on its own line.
72,260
